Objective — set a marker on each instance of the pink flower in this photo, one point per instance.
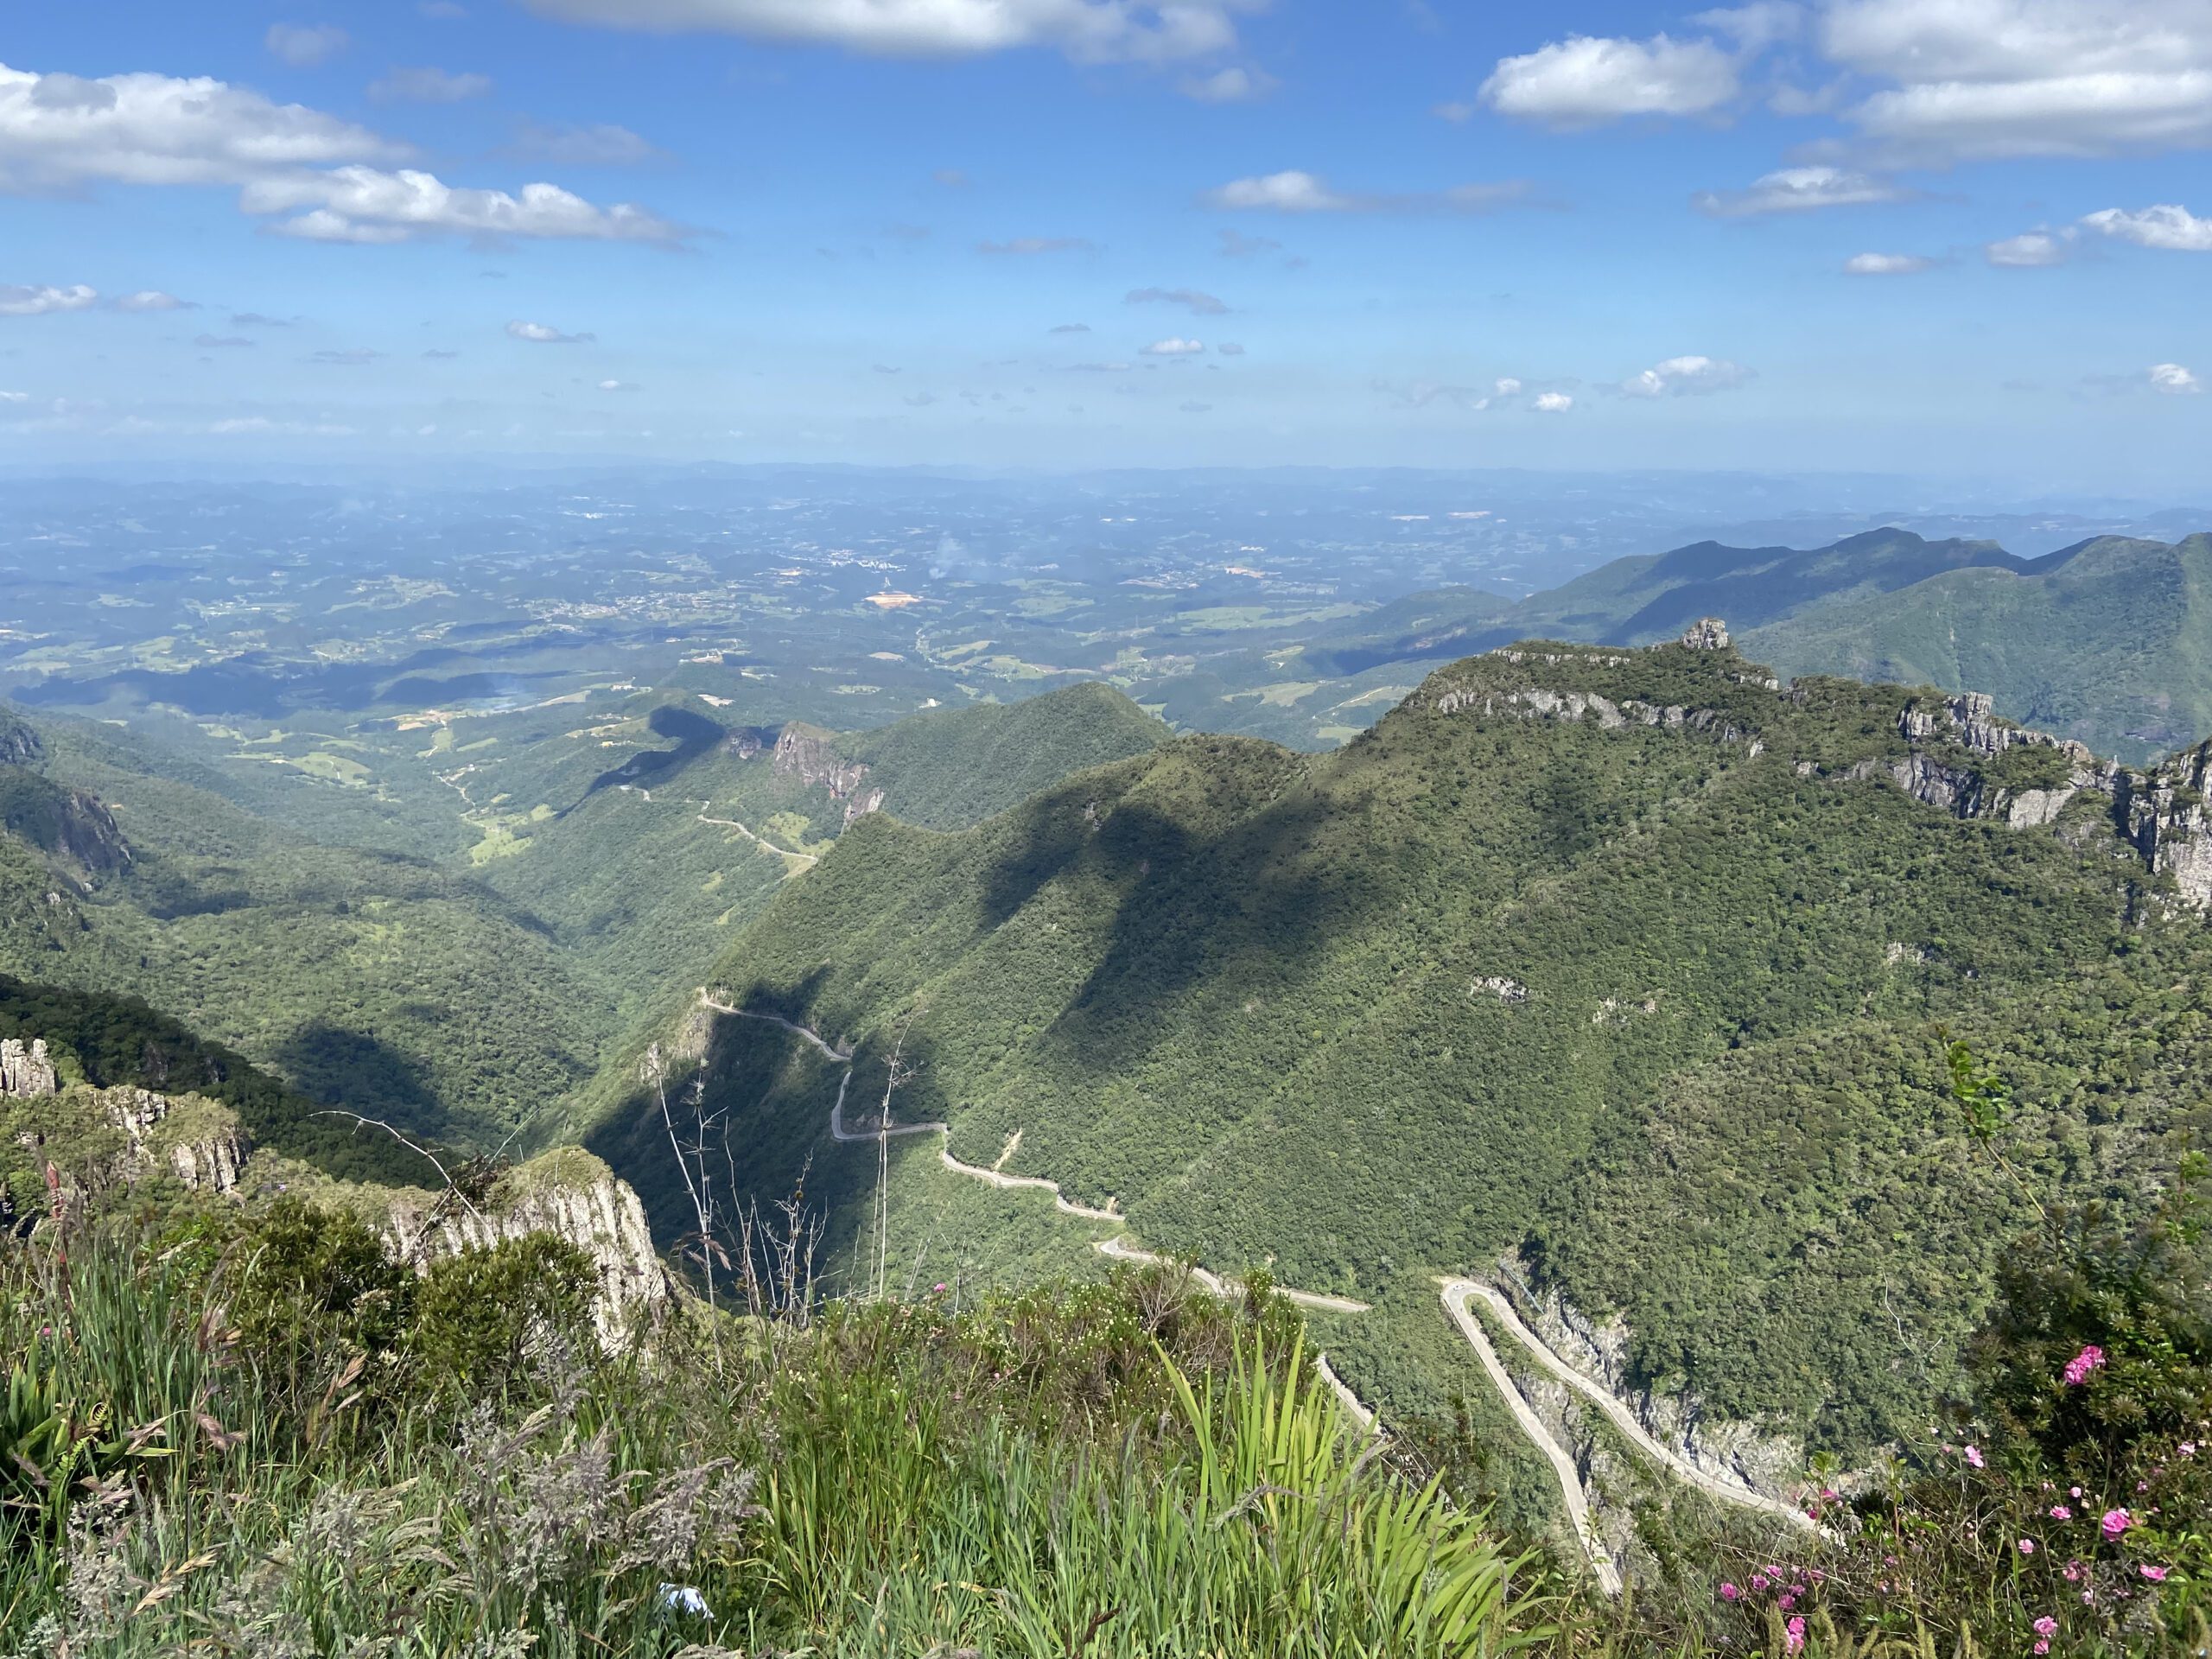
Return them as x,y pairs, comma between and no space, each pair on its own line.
2060,1512
2073,1572
1729,1593
1792,1636
1789,1601
2046,1626
2155,1575
2116,1521
1758,1581
2043,1645
1973,1456
2027,1546
2078,1368
2186,1448
2074,1491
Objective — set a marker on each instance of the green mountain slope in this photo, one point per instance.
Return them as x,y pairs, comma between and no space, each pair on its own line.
367,980
2110,643
1456,988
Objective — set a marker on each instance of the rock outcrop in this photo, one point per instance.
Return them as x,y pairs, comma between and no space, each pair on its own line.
569,1193
26,1072
206,1150
811,757
1707,633
19,744
2164,811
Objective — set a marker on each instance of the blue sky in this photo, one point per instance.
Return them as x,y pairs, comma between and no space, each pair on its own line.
1969,239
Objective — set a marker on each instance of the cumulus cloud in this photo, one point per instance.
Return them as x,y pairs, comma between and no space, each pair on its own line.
1231,86
1153,31
1199,304
60,132
1981,79
2030,250
1886,265
540,333
428,84
2167,226
365,204
1686,376
1586,80
17,301
1295,192
1174,348
14,397
1799,190
2173,380
1553,402
1033,245
303,46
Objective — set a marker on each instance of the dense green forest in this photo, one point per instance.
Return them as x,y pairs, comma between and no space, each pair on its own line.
1449,992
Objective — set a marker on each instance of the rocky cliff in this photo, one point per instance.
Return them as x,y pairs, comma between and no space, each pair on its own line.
19,744
569,1193
26,1072
811,757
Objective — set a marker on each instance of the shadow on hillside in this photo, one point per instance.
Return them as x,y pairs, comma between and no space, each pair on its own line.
361,1073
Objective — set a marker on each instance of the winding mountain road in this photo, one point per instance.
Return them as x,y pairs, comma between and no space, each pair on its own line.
1456,1295
785,853
1570,1477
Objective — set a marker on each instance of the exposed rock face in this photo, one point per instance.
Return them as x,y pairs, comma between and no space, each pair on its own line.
747,742
2165,813
1707,633
569,1194
1505,990
26,1072
811,758
19,744
207,1161
1541,703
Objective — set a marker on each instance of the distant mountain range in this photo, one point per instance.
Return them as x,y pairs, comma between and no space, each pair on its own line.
2108,642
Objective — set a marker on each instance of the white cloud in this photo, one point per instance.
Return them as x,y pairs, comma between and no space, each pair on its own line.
1685,376
1507,386
428,84
365,204
540,333
1295,192
2013,78
2030,250
1153,31
14,397
1757,26
151,299
1230,85
618,385
1553,403
1886,265
2167,226
1032,245
1199,304
60,132
1799,190
2173,380
17,301
1174,348
1584,80
304,46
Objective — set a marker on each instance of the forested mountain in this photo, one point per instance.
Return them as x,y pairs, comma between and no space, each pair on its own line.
2109,642
1630,962
2102,641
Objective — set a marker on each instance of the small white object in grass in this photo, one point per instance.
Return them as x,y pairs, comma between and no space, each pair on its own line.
683,1598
